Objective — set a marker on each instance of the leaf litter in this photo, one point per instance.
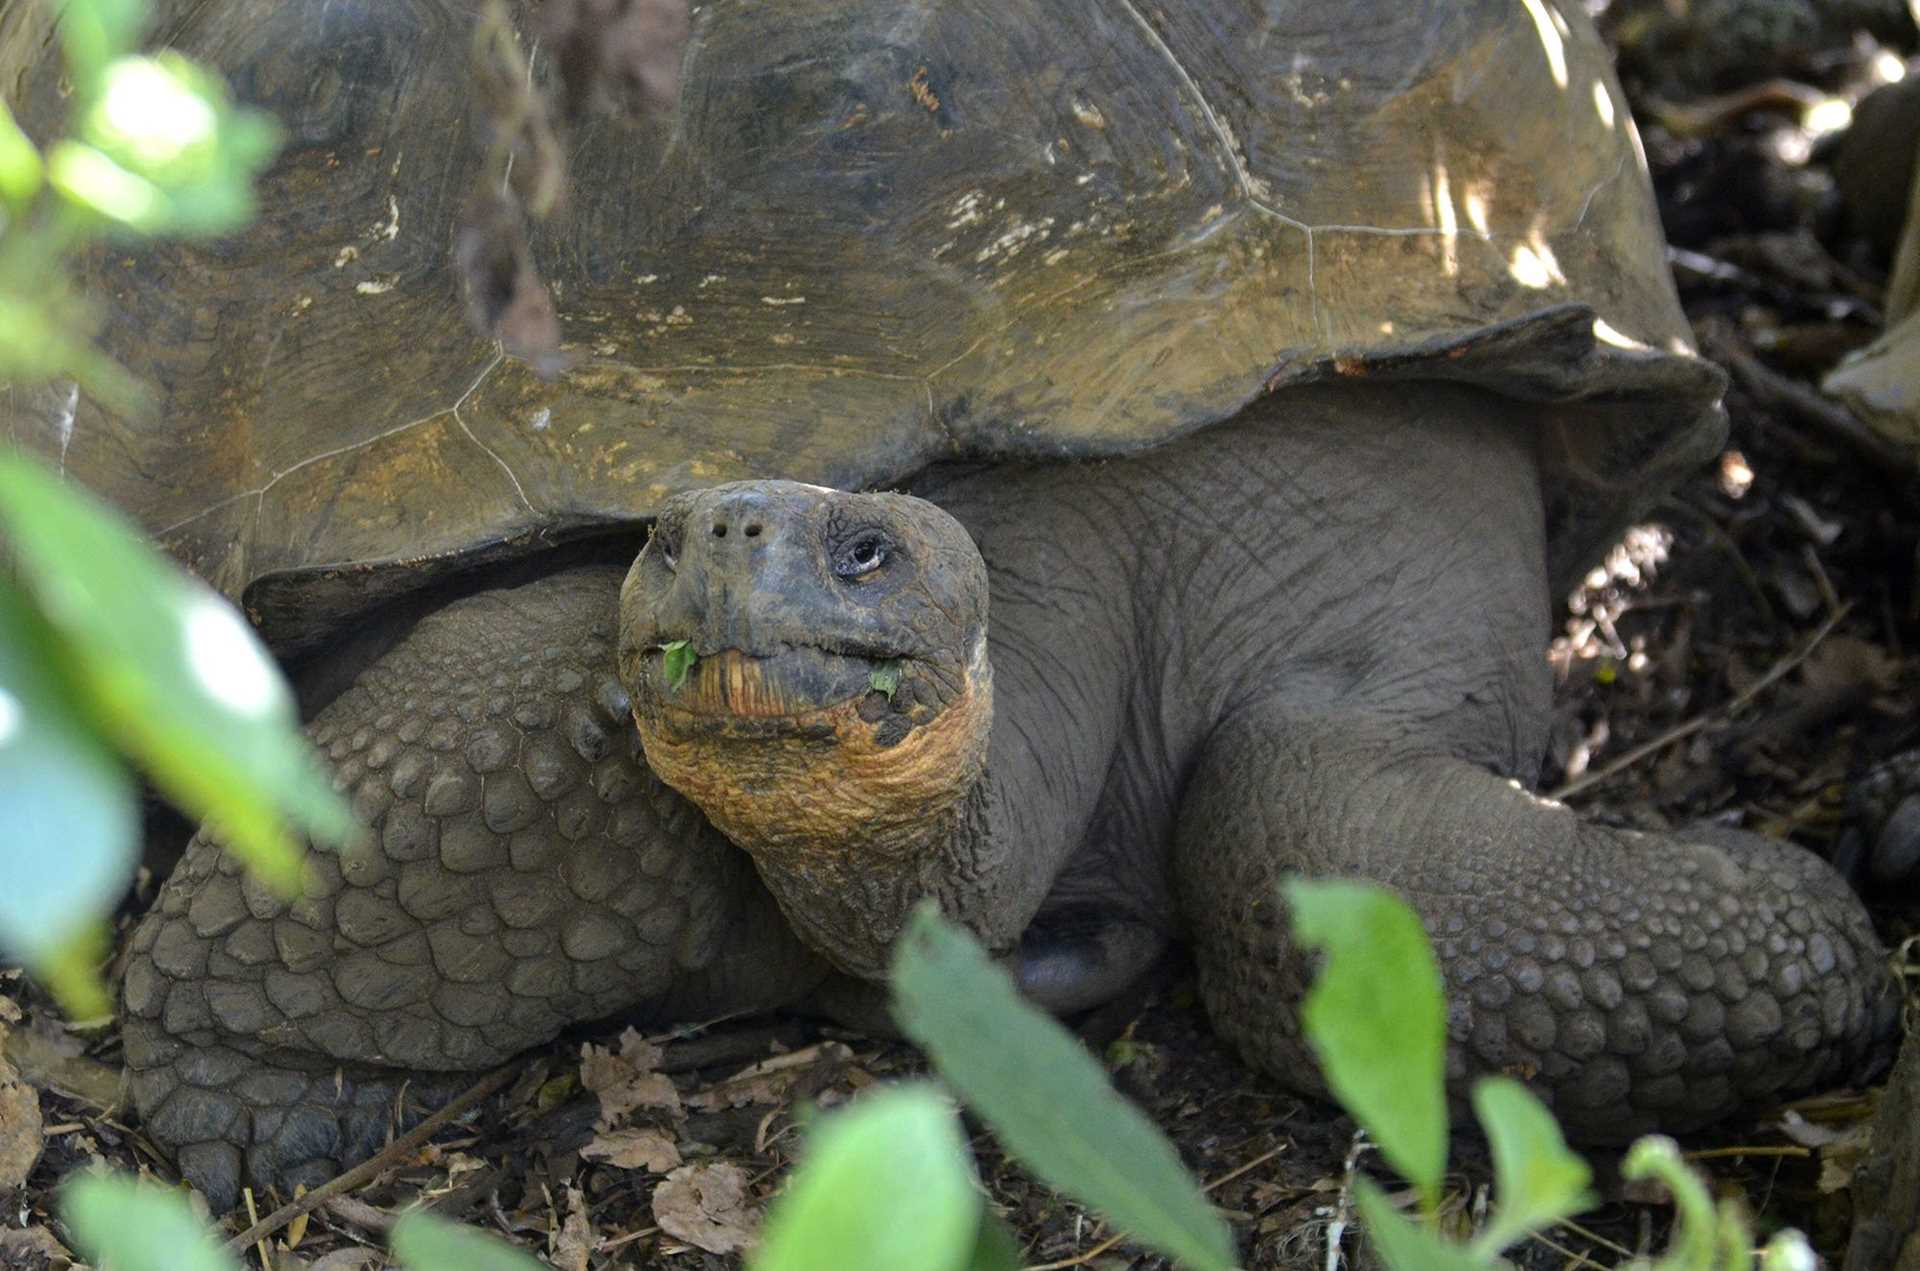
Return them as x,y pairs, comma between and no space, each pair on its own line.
1749,575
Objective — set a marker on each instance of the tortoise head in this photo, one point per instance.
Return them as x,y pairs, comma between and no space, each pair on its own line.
839,694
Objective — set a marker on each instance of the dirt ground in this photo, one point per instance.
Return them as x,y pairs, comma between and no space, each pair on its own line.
1742,657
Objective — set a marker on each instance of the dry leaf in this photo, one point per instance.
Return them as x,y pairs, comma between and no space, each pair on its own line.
1882,383
1839,1146
458,1163
1844,664
640,1052
706,1206
21,1128
19,1248
569,1247
623,54
505,297
627,1081
297,1229
634,1149
1811,1133
771,1080
349,1260
525,154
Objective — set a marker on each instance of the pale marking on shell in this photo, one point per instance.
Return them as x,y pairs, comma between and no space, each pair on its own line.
277,477
1257,195
64,421
487,450
678,368
967,210
390,228
1016,236
1594,193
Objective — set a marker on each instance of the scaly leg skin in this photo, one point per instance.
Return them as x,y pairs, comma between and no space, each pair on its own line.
1636,981
1886,808
524,871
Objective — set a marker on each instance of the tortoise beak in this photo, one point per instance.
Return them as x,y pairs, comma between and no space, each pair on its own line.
734,684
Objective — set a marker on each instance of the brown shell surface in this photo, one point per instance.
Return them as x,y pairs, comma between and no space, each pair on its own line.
871,235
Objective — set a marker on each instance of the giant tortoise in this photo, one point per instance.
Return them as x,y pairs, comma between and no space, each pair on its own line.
1101,457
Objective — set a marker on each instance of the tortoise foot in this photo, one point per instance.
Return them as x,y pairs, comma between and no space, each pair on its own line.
233,1121
1886,812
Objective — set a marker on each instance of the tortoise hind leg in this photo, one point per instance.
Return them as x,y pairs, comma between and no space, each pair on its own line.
233,1120
1637,980
523,871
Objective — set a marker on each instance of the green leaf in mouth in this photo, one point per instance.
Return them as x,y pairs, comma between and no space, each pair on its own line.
679,660
885,678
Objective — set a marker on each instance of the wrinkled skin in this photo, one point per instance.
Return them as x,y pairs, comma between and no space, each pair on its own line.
1886,1183
1306,641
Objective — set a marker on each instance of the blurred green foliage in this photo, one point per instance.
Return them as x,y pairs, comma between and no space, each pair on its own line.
887,1184
1047,1099
1378,971
110,649
107,649
127,1225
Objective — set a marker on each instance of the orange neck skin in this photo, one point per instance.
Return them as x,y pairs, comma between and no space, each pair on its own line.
847,832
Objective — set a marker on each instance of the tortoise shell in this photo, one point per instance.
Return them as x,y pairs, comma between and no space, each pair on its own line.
867,237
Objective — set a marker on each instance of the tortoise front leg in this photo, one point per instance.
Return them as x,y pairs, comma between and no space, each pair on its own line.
1637,981
523,871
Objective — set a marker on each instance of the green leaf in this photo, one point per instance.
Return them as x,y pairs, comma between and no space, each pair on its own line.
136,1226
885,1184
70,838
20,167
1538,1181
1788,1251
170,672
96,182
423,1242
994,1245
678,662
1047,1100
1377,1019
163,150
94,32
1405,1245
885,678
43,334
1694,1235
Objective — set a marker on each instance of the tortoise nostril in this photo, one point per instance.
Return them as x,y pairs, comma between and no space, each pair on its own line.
719,531
753,531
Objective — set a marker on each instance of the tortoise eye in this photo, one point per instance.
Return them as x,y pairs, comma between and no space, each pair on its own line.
669,547
861,555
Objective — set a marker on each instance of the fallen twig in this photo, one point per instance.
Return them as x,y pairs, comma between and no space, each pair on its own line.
1808,405
260,1245
366,1170
1713,114
1680,732
1584,1233
744,1045
1718,1153
362,1215
44,1066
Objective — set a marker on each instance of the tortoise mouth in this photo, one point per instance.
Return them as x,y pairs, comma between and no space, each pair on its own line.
776,692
